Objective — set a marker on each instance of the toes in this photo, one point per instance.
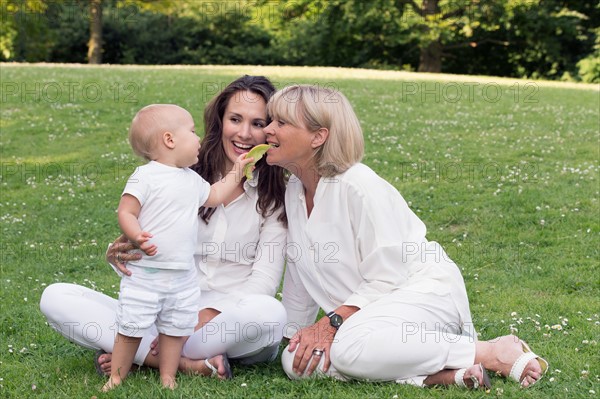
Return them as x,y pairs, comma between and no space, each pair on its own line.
473,377
532,373
222,372
530,378
527,381
217,363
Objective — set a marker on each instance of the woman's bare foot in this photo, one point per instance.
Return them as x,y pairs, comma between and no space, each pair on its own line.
469,376
476,373
104,362
199,367
501,354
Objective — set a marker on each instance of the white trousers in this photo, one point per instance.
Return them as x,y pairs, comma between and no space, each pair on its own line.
250,330
403,337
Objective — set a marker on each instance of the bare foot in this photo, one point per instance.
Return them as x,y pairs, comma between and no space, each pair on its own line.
111,384
475,373
198,367
471,374
104,361
504,353
168,381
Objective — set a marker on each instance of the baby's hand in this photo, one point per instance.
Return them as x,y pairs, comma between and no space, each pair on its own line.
238,167
141,241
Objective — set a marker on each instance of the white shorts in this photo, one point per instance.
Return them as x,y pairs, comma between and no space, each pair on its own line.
169,298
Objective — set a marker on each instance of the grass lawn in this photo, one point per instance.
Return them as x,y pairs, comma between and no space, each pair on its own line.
505,173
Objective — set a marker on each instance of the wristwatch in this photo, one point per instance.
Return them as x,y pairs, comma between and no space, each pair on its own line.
335,320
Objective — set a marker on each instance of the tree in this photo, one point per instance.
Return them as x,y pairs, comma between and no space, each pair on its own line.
95,42
351,33
441,26
95,16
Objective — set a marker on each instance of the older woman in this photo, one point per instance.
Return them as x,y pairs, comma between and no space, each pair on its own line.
240,255
396,305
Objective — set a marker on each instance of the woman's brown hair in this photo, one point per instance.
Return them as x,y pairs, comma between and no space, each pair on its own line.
212,158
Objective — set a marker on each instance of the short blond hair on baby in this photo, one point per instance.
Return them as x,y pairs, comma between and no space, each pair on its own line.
149,124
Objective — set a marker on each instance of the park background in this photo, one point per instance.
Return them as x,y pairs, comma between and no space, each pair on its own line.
549,39
504,171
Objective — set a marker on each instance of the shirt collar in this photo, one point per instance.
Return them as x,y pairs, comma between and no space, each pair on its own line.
251,182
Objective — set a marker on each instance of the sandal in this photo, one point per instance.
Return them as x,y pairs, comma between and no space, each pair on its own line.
485,379
215,371
519,366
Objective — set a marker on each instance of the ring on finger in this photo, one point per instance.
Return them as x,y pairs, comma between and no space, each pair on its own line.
317,352
118,257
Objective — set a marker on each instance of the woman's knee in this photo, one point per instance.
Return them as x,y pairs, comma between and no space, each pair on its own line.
51,298
269,308
287,361
267,314
344,356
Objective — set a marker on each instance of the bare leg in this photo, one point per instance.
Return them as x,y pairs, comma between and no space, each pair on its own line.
500,354
190,366
197,367
446,377
122,359
169,356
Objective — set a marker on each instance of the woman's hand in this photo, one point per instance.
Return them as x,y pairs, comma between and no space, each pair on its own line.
118,254
312,343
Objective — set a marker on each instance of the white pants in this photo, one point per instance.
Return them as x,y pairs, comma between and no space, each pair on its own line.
88,318
403,337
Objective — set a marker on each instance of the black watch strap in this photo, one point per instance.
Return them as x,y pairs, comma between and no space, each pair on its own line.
335,320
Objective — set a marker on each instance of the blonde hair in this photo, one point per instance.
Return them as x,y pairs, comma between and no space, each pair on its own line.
149,124
313,108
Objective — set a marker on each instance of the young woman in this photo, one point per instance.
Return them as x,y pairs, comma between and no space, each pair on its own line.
239,256
396,305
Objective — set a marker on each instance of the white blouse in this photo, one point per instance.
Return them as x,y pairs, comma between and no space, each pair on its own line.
360,243
239,252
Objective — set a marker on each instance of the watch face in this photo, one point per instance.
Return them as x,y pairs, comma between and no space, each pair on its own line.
336,320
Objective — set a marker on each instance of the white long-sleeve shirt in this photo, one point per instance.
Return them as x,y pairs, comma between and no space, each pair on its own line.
361,243
239,252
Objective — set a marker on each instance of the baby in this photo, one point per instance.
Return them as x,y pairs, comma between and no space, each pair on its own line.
158,212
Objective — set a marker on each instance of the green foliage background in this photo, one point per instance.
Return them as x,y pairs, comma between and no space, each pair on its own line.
551,39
